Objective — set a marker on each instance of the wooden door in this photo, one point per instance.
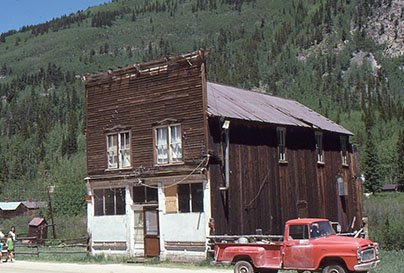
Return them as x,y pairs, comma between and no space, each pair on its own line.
151,232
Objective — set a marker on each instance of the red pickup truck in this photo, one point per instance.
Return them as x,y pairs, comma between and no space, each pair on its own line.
308,244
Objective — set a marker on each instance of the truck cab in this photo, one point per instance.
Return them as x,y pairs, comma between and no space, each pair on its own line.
309,244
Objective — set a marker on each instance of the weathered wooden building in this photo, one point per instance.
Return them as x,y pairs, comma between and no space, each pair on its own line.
172,158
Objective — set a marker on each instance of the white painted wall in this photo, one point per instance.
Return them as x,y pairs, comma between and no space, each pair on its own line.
109,228
184,227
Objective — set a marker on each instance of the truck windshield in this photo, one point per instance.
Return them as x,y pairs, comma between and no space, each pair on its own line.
321,229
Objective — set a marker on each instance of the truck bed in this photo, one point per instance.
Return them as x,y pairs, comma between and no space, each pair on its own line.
268,255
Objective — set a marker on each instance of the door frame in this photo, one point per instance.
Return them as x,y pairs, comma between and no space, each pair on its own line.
151,241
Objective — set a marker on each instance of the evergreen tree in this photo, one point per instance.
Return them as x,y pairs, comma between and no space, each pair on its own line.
372,167
400,158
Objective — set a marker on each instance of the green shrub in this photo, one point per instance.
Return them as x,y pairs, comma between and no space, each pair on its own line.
386,217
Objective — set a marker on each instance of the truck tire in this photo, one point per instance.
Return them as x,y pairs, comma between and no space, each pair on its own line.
335,268
243,267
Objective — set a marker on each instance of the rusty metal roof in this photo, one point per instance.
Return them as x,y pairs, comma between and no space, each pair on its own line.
232,102
36,221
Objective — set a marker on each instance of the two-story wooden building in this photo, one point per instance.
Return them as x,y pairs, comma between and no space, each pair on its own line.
172,158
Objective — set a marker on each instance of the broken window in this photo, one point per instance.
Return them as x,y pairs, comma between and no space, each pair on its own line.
281,133
118,150
109,201
190,197
168,144
344,157
319,147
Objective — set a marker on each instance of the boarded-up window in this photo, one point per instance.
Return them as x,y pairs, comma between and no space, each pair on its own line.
171,199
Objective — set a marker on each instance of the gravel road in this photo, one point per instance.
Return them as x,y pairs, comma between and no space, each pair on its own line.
42,267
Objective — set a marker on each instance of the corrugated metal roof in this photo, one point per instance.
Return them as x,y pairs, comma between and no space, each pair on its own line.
9,205
243,104
34,205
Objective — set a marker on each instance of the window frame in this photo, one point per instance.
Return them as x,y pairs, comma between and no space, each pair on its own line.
344,150
281,139
169,151
191,198
120,149
118,208
146,193
319,147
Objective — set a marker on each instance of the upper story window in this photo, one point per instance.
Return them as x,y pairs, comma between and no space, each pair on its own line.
118,150
281,134
109,201
168,144
319,147
344,154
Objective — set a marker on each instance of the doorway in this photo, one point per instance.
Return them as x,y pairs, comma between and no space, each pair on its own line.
151,232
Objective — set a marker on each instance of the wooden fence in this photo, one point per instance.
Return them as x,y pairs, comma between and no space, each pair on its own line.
29,246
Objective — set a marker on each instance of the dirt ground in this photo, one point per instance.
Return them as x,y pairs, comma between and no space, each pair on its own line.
43,267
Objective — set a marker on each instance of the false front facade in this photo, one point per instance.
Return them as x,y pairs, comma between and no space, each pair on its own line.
172,158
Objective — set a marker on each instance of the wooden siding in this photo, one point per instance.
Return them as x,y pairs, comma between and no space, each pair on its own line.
264,193
137,99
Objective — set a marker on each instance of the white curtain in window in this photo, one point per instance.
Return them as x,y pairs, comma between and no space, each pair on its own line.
112,151
176,145
124,150
162,155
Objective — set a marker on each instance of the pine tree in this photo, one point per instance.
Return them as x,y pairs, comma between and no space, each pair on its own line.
372,167
400,158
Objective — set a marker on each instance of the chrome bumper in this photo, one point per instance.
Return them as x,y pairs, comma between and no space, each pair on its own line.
367,266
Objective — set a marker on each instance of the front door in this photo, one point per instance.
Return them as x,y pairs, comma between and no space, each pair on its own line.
151,232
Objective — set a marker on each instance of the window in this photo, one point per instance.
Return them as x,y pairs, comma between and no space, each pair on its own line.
319,147
344,157
118,150
109,202
321,229
144,195
281,133
190,197
298,232
168,144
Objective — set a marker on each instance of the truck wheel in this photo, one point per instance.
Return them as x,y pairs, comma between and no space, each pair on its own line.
334,269
243,267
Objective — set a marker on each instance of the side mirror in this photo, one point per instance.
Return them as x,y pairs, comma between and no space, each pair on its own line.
339,228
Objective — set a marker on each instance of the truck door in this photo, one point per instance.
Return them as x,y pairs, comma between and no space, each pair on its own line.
298,251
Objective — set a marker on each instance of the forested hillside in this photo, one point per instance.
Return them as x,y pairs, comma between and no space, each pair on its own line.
343,58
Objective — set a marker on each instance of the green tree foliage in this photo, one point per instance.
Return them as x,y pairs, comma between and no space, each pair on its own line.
400,158
373,181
